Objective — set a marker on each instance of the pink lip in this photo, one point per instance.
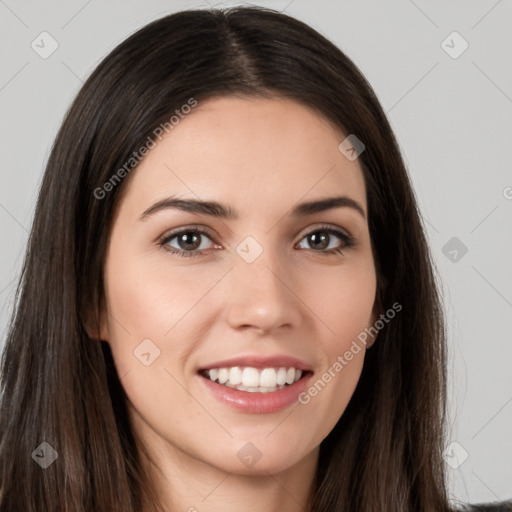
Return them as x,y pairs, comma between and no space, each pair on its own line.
256,402
256,361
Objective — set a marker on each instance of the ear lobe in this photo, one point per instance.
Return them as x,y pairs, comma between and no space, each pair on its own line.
97,330
373,337
377,310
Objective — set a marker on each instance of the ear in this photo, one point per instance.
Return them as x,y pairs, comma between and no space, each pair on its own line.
97,328
374,317
378,308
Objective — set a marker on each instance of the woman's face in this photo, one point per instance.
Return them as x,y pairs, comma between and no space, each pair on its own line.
263,282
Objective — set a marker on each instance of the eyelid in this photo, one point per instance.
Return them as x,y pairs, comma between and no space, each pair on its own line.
326,227
169,235
341,233
188,227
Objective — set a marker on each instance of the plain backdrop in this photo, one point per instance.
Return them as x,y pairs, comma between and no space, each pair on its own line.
443,73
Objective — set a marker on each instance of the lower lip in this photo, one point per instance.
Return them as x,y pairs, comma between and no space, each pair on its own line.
256,402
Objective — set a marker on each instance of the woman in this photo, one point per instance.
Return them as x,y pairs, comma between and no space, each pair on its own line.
297,361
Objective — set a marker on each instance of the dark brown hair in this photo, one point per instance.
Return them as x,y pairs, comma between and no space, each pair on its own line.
59,384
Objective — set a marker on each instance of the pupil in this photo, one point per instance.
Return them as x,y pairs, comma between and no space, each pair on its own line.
187,243
320,239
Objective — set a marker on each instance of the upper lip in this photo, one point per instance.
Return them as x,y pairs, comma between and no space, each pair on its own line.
258,361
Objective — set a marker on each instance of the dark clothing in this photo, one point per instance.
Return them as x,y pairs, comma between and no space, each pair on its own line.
502,506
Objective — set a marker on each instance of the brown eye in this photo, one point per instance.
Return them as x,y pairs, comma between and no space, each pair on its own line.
324,240
186,242
319,240
189,240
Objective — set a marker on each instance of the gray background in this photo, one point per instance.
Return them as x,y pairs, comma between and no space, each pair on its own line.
452,115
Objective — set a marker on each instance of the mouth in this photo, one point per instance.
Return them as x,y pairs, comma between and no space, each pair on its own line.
255,390
255,380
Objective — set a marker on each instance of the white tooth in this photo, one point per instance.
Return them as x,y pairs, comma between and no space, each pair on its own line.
281,376
253,380
250,377
268,378
223,375
290,375
251,389
235,376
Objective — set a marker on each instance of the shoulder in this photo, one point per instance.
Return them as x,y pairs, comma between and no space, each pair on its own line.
502,506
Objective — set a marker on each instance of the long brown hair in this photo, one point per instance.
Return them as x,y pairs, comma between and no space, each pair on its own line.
59,385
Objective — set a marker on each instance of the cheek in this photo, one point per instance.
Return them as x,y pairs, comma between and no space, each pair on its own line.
149,298
330,392
152,299
147,315
343,300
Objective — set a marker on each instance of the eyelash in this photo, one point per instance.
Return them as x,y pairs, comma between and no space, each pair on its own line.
347,239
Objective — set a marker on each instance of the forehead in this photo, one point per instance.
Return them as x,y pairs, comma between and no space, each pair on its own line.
250,153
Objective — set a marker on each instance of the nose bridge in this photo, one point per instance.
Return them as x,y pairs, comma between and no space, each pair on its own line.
262,278
260,294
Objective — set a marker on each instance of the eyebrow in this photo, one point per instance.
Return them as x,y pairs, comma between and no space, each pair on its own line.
218,210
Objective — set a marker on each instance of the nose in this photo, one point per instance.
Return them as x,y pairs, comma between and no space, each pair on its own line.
261,296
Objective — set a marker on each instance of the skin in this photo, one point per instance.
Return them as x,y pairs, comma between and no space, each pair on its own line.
260,157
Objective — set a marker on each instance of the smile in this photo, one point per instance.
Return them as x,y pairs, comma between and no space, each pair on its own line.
269,390
253,379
